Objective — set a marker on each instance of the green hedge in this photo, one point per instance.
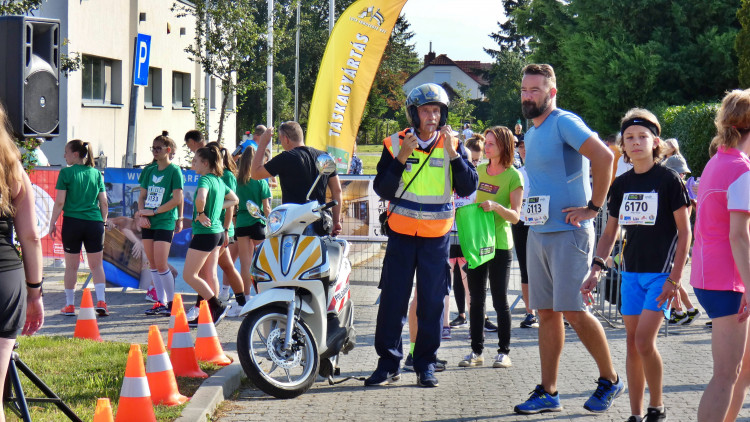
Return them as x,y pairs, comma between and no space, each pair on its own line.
693,126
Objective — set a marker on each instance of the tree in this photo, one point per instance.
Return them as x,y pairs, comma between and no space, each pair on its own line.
460,108
504,89
742,44
18,7
508,38
610,56
226,34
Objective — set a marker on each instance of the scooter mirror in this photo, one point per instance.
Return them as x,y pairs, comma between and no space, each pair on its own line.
325,164
253,209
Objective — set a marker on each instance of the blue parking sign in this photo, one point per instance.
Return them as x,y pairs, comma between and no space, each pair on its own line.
141,60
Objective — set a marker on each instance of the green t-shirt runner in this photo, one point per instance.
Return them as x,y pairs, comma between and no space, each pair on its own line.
228,178
217,190
82,185
256,191
498,188
159,186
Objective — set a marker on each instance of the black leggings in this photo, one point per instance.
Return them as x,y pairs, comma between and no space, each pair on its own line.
498,269
520,233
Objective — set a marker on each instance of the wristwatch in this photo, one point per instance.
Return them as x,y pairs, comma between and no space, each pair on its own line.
593,207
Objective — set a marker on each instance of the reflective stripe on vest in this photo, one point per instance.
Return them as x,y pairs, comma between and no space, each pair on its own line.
426,208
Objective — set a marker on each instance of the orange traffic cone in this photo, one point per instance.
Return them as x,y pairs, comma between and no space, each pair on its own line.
184,363
86,326
103,412
177,306
161,380
135,399
207,346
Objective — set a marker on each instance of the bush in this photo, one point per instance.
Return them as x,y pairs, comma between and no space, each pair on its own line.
693,126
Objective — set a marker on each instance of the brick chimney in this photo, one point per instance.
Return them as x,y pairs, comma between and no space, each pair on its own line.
429,57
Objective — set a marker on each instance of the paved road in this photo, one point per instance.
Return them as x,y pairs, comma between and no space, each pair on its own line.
482,393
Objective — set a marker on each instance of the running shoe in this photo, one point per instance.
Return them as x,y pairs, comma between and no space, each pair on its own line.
234,311
710,324
606,392
502,361
165,311
158,306
459,322
471,360
409,364
446,333
151,295
654,415
677,319
225,294
101,308
427,379
382,377
219,313
633,419
539,401
692,316
192,313
530,321
69,310
489,326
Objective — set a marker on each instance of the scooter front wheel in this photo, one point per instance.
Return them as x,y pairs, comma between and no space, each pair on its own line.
260,345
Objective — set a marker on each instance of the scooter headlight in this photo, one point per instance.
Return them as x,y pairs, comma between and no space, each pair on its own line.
275,221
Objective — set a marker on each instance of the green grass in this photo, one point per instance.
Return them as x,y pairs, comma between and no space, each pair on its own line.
80,372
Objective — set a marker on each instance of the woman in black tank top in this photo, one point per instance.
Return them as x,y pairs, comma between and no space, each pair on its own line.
17,210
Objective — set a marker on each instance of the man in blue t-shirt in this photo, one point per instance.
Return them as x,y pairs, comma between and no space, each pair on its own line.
561,203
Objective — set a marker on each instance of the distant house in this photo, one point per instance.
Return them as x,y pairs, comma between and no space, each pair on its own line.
448,73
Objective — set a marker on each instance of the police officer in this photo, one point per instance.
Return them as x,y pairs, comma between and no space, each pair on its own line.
418,172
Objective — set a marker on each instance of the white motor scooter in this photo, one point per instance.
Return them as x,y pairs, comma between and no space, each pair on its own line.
303,316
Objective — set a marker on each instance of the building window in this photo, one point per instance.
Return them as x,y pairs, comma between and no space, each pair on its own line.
180,90
230,100
443,76
101,80
153,92
212,102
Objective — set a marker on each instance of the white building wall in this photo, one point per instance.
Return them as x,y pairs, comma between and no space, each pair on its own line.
442,73
108,29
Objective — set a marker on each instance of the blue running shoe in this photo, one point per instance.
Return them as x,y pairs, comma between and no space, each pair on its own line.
382,377
427,379
539,401
606,392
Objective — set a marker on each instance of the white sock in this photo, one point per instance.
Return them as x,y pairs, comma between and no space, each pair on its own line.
691,310
680,312
70,297
247,297
157,285
99,288
167,282
638,418
224,289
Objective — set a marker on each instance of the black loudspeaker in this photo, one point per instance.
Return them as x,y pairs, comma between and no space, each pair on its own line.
30,80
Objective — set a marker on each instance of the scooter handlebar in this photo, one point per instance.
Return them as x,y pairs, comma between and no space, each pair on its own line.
327,206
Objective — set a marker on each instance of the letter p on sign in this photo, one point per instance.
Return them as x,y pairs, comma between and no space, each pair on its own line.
141,60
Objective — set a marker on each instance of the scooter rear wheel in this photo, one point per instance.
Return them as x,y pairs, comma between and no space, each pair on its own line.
260,345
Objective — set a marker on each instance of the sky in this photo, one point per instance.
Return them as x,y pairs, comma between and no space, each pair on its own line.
457,28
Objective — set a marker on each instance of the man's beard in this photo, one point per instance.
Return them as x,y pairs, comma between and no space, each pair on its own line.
531,111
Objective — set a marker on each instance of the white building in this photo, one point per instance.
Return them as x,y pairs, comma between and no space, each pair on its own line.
95,100
449,73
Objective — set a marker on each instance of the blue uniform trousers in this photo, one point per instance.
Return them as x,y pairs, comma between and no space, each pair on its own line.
405,255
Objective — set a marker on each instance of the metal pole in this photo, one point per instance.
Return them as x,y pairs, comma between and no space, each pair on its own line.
132,112
296,67
269,68
331,16
207,87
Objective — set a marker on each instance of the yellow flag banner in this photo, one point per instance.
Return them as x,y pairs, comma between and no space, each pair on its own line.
352,57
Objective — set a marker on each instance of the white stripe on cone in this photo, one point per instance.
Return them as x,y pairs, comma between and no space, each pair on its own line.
158,363
206,330
181,340
135,387
86,313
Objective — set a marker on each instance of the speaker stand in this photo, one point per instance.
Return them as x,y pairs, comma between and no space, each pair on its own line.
18,403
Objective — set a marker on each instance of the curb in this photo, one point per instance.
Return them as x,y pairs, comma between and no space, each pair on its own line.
213,391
